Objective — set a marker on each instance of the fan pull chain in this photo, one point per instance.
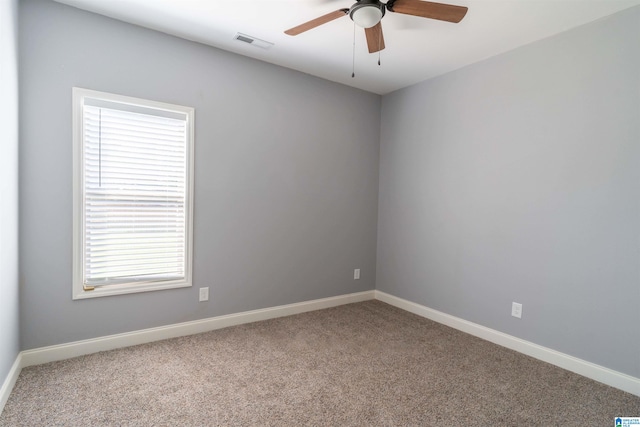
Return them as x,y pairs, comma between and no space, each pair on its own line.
353,65
379,44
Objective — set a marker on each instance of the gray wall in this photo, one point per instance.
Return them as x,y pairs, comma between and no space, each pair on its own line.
9,328
286,175
518,179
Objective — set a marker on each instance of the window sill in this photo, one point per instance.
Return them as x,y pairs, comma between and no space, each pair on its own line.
105,291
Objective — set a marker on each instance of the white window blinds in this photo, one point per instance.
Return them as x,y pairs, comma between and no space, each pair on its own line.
135,186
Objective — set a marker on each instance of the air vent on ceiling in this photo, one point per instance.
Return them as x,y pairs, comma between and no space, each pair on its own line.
253,41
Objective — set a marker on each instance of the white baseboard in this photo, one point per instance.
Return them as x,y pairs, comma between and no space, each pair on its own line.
65,351
587,369
10,381
78,348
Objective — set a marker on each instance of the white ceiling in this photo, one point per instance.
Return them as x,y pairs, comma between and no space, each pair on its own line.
416,48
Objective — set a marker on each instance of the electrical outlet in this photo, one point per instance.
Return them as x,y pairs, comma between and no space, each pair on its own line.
516,310
204,294
356,274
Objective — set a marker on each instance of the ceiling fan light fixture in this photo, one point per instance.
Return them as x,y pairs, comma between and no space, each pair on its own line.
366,14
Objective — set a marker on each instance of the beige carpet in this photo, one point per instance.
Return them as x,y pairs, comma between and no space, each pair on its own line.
360,364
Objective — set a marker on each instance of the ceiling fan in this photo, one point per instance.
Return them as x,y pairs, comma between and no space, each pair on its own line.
368,14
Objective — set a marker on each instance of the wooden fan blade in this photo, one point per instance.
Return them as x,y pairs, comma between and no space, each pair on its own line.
316,22
375,39
427,9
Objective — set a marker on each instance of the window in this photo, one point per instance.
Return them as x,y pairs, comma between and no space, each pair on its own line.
132,194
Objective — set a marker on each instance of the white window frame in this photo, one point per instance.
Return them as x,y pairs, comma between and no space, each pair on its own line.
80,291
